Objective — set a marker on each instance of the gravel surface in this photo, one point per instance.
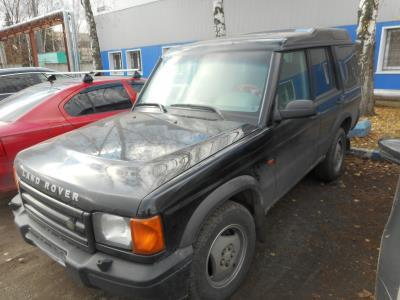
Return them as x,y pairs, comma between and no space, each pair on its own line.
322,242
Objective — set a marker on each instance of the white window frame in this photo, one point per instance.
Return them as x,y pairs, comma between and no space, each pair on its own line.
382,51
128,61
111,62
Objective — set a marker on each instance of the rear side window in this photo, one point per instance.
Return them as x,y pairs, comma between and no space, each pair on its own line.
348,66
293,79
15,83
100,99
322,71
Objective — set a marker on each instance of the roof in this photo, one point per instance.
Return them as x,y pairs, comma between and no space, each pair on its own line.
24,70
48,20
277,40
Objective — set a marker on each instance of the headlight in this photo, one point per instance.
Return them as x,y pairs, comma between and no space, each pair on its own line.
142,236
112,230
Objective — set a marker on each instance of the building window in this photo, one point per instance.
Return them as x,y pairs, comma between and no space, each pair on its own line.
134,60
115,62
389,58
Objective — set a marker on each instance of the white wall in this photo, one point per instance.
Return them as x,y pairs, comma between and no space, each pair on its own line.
169,21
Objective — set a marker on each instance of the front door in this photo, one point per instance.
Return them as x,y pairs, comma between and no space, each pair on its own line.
294,140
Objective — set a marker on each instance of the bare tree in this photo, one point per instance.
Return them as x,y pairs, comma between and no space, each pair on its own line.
93,34
219,18
366,33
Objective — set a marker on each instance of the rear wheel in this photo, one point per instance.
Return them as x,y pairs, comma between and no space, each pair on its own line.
222,252
330,168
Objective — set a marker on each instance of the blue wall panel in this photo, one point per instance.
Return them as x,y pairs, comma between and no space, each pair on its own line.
382,81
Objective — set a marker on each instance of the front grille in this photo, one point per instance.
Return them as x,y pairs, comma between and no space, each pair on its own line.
67,222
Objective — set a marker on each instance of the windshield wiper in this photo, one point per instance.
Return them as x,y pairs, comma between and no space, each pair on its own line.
160,106
200,107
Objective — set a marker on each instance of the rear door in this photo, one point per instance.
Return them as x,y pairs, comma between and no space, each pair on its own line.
95,103
347,68
326,94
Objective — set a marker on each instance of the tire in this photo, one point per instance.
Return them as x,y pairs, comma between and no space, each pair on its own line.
331,167
225,243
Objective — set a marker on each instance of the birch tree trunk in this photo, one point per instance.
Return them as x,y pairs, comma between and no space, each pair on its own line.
93,34
366,33
219,18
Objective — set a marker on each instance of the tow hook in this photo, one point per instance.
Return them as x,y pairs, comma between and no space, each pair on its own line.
104,264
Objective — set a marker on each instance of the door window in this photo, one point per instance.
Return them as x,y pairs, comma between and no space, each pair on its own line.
98,100
321,71
348,66
293,80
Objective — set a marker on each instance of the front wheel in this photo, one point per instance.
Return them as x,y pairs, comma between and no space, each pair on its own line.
330,168
222,252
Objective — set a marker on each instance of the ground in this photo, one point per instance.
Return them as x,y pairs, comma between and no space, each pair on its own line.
322,242
386,123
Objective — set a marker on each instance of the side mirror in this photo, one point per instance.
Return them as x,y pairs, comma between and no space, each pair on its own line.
298,109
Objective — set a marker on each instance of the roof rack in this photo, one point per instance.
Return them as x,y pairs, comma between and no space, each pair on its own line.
87,75
94,72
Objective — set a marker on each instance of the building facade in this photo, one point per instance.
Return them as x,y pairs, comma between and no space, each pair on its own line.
136,37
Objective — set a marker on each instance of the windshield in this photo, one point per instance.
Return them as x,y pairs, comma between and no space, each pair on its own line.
15,106
232,82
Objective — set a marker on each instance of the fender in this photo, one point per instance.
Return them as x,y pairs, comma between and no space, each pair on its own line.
216,198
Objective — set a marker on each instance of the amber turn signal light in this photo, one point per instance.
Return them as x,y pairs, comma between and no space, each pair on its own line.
147,235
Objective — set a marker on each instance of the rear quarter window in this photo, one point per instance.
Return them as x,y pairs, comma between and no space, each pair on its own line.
348,66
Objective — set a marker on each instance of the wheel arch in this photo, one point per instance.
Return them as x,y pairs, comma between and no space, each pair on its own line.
346,124
244,190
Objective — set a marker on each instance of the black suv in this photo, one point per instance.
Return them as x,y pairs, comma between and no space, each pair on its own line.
168,200
15,79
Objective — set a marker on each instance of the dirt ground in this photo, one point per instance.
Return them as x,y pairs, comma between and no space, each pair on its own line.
322,243
386,123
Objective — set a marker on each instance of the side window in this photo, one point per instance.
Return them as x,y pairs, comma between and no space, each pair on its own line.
322,71
293,79
79,105
15,83
348,66
99,100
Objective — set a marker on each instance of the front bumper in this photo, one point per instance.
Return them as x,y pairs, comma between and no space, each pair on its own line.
167,278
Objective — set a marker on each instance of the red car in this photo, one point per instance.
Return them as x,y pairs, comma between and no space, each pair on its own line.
48,109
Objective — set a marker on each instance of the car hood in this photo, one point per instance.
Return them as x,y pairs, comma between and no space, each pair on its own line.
114,163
